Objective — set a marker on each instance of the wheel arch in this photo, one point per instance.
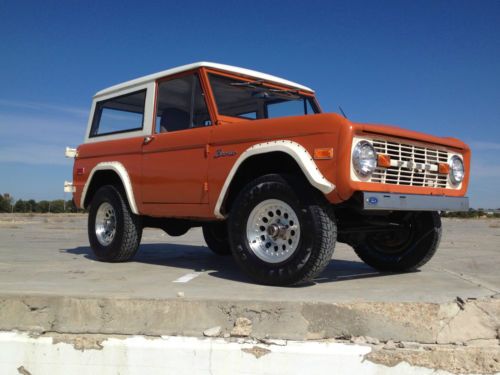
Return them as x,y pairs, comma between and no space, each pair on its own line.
270,157
109,173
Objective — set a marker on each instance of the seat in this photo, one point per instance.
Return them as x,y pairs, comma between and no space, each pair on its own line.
173,119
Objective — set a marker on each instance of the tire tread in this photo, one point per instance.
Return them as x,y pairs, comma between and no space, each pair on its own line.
320,214
421,252
130,236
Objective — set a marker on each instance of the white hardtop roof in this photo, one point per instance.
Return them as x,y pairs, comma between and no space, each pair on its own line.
179,69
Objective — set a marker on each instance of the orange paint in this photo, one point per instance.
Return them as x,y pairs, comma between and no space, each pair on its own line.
170,175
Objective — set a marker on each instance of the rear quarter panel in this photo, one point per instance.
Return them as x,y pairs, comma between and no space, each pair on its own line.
125,151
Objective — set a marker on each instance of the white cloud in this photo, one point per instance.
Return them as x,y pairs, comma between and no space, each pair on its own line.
40,129
484,165
44,107
482,170
36,140
34,154
484,146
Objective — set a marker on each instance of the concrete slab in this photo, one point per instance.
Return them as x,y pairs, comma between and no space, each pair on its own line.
49,254
50,281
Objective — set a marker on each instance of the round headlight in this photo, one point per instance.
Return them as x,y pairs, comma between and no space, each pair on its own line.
456,170
364,158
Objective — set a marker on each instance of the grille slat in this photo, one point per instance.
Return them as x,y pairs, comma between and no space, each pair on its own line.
413,153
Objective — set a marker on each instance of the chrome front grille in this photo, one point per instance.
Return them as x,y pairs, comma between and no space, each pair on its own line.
401,174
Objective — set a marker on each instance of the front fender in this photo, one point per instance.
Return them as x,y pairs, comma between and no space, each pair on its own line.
302,157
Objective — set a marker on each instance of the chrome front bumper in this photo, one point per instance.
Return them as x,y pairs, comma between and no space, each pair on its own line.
413,202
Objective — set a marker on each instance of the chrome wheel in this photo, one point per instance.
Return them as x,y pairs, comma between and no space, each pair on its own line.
273,231
105,224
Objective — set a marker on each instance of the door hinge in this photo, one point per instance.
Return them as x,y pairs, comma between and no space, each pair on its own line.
205,186
207,150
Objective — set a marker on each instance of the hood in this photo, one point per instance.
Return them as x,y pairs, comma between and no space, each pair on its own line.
397,132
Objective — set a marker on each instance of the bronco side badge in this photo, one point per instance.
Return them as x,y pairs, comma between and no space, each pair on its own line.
219,153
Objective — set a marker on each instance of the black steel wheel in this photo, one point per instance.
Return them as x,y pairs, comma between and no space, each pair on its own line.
409,247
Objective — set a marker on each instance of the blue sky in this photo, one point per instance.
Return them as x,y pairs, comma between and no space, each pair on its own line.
432,66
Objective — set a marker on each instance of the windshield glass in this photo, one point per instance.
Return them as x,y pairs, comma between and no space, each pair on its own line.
253,100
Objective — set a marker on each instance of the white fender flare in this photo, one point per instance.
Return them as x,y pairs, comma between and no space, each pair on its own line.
295,150
122,173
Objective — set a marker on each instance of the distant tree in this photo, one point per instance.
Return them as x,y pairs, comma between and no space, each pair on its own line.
6,202
43,206
21,206
32,205
3,204
57,206
70,206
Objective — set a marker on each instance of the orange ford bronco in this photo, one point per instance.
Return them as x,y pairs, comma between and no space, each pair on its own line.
253,160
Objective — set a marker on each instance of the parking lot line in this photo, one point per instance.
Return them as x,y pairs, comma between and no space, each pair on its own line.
186,278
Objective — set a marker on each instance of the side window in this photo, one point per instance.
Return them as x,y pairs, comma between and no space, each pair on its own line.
286,108
117,115
181,105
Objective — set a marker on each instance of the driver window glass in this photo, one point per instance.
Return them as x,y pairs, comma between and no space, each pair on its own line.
181,105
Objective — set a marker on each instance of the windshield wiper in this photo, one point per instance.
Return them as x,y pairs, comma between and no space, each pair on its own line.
252,84
287,91
292,93
260,84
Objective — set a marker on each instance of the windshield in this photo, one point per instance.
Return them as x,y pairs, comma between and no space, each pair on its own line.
253,100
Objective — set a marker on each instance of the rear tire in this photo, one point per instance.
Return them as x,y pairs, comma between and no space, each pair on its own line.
114,231
403,250
215,234
280,235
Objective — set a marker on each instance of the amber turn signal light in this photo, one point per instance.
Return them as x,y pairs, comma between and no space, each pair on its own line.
323,153
383,160
444,168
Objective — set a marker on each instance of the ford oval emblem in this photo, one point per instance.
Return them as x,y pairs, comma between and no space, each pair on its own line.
373,200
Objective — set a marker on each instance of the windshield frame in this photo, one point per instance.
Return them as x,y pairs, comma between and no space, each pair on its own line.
262,83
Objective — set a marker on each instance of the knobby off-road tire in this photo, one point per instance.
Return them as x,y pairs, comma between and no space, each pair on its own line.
404,251
281,235
216,237
114,231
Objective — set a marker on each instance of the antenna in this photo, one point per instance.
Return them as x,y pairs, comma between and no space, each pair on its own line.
342,111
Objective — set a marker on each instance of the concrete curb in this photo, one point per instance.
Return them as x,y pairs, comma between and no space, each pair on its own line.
403,321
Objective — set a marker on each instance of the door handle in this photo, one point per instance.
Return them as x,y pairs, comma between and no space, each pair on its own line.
148,139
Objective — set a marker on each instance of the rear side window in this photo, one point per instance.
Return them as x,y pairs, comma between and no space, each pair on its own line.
118,115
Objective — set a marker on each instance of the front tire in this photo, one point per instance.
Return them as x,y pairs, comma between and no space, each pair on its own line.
280,235
114,231
404,250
